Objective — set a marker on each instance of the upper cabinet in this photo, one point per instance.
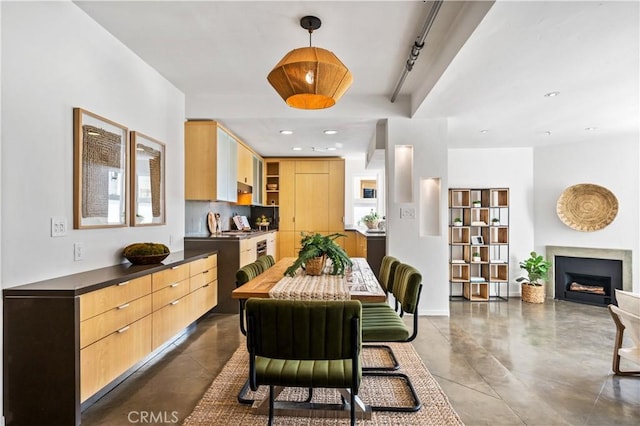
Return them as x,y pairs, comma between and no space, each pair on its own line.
245,165
211,162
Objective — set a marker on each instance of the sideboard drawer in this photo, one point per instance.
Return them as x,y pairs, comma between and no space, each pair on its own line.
108,358
105,299
170,293
201,265
99,326
170,276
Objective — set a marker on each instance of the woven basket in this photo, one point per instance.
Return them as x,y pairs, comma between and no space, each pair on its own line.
532,293
587,207
315,266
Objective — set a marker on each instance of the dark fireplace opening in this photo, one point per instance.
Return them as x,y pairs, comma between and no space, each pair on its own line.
587,280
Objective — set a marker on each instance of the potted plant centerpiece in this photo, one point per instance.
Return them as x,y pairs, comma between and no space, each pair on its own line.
371,220
537,269
315,250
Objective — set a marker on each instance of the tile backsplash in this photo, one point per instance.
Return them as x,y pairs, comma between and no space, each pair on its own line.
195,215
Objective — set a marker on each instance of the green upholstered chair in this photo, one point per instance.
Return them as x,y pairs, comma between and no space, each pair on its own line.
243,276
289,344
267,261
387,270
382,323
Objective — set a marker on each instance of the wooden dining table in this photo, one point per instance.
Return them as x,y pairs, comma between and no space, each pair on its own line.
361,281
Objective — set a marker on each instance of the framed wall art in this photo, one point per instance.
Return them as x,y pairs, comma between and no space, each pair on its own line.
147,181
100,178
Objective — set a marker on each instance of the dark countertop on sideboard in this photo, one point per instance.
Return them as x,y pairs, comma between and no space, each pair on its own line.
85,282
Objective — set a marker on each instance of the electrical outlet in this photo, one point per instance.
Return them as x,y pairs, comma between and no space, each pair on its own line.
58,226
407,213
78,251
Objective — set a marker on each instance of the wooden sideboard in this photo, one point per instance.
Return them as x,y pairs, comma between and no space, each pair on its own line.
69,340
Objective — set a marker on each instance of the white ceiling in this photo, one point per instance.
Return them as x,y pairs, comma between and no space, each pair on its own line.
483,72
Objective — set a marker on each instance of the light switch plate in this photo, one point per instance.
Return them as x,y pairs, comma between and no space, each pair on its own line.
407,213
58,226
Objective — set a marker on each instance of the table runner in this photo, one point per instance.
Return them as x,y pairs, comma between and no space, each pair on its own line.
359,279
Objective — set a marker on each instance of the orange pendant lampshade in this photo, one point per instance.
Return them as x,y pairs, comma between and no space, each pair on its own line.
310,77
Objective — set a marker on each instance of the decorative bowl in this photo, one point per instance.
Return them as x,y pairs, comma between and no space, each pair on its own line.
145,253
272,186
149,259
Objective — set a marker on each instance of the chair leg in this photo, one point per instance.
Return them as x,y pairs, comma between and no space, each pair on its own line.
310,397
416,401
394,360
271,398
353,407
242,327
243,391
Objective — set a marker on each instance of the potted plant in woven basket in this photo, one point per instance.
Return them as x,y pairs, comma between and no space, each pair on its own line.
537,269
315,250
371,219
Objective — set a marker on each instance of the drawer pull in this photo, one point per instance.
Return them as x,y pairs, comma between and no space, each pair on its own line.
123,329
174,285
175,302
206,285
206,272
175,267
124,283
126,305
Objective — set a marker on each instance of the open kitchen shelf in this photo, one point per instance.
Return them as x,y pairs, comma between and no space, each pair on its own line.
479,244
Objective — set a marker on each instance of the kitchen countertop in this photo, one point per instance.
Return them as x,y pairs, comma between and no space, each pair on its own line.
229,235
366,232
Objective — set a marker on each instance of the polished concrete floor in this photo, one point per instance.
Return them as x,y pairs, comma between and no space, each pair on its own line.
500,363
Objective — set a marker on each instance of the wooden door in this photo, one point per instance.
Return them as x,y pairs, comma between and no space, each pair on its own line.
312,202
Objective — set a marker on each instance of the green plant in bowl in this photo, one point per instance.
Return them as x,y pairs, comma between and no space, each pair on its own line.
145,253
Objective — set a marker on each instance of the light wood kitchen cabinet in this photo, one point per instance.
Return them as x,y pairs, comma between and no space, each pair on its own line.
245,165
211,162
349,243
272,245
311,199
94,329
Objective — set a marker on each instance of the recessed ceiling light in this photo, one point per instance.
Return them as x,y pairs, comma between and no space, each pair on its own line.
589,129
286,132
296,148
484,131
331,148
330,132
551,94
548,133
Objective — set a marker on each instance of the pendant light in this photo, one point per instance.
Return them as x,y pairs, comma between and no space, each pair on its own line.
310,77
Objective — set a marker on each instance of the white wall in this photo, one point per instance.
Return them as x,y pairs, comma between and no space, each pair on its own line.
428,254
54,58
502,168
612,164
356,168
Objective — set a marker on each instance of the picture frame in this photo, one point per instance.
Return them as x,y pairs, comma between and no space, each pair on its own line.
100,171
477,240
148,206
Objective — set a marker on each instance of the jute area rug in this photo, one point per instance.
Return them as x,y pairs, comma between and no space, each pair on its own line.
219,405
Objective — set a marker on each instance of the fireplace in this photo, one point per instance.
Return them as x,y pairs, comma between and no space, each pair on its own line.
587,280
589,275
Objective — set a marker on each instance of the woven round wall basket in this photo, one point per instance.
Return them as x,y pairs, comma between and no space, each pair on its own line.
587,207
